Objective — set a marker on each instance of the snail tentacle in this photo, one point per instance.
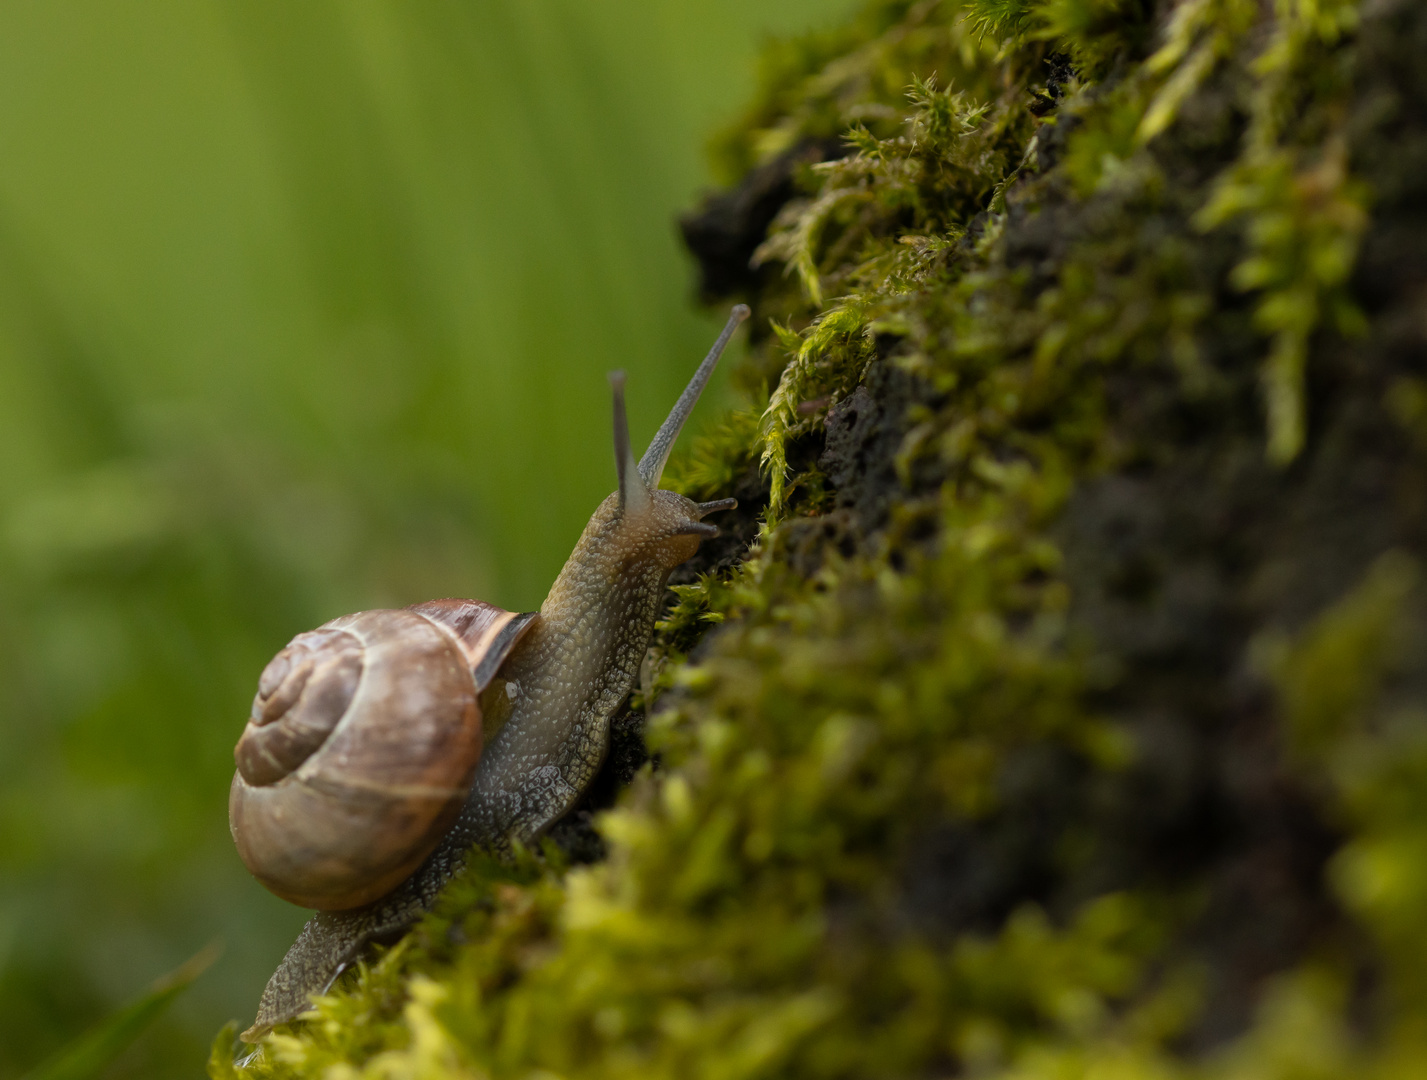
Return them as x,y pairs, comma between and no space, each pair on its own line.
651,465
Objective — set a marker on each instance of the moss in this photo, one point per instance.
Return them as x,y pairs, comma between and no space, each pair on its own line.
1057,708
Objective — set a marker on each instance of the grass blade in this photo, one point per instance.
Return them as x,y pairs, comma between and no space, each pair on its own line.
87,1055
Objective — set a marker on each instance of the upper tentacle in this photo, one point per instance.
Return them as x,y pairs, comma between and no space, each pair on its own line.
651,466
633,494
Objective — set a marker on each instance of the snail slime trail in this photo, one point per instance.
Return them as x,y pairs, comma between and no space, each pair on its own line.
368,770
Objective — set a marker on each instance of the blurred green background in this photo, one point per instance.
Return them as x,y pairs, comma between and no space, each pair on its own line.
304,308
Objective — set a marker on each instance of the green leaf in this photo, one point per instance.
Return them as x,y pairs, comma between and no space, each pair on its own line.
88,1055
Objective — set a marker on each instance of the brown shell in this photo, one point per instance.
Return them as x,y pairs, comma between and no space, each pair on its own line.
360,751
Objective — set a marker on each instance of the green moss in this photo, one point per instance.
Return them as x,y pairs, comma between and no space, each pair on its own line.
1303,213
1335,681
757,913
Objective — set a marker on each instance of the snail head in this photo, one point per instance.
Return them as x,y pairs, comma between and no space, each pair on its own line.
643,520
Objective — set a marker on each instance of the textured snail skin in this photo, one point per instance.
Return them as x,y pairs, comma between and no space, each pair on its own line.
570,672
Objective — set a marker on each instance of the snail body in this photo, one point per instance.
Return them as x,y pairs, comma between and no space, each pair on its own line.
494,724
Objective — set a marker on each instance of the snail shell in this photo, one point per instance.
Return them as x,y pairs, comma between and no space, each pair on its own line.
361,746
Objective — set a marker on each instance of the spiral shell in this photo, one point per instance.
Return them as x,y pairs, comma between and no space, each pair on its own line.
360,749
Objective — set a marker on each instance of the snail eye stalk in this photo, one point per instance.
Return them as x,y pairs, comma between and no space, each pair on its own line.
651,466
633,495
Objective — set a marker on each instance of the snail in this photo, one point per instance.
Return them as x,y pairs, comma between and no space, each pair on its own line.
385,745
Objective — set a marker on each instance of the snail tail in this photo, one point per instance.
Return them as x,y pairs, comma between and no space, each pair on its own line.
330,943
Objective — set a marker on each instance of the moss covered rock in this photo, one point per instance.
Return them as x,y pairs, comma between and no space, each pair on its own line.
1057,705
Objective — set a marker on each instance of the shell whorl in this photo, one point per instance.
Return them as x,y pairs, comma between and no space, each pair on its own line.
302,693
